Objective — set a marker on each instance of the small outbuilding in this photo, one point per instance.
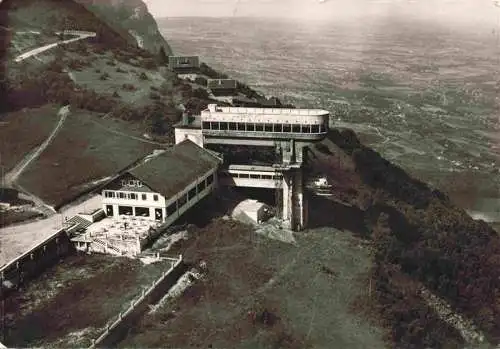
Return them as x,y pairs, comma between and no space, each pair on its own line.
251,211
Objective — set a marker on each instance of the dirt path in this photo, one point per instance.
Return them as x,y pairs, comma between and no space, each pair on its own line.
11,176
127,135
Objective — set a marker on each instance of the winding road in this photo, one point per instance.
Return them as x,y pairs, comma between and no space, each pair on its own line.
80,36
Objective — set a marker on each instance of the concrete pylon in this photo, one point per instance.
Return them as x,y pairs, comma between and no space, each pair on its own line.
294,207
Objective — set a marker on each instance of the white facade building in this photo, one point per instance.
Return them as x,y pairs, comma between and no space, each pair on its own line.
164,187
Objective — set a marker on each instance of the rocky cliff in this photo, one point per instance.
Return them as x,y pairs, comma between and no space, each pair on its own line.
132,16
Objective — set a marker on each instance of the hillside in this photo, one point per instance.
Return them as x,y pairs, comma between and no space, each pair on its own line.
132,16
420,240
107,74
118,92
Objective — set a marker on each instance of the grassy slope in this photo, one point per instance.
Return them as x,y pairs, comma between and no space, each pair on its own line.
308,288
423,240
79,296
21,132
87,148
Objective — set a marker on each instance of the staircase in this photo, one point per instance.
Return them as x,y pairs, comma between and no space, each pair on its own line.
107,247
76,224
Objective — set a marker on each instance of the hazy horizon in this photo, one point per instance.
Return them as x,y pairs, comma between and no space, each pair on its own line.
454,12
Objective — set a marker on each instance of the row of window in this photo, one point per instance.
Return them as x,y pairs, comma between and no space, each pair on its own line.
190,195
129,196
131,183
251,176
134,196
255,127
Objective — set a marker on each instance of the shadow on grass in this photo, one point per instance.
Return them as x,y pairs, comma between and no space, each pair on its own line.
324,212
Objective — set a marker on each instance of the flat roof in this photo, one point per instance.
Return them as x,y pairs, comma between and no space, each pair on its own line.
175,169
251,168
264,111
188,56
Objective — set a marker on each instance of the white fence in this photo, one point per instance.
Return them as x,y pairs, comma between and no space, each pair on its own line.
114,322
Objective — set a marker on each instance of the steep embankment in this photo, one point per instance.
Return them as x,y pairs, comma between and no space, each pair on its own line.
421,241
134,17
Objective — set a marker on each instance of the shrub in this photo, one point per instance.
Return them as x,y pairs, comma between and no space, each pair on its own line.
111,63
201,81
104,76
143,76
200,93
128,87
77,64
148,63
154,96
120,70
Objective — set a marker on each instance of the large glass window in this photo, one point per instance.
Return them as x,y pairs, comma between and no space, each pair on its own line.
287,128
155,197
182,200
223,126
277,128
214,125
241,126
251,127
142,211
296,128
259,127
306,128
144,196
125,210
268,127
192,193
205,125
201,186
243,175
171,209
210,179
232,126
315,129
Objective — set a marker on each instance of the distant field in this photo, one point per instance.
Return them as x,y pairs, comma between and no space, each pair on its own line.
87,148
22,131
308,288
68,304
